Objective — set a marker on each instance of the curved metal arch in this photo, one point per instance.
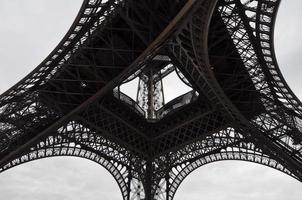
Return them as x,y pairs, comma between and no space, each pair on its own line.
119,173
278,121
204,77
227,144
265,27
280,150
228,141
73,39
74,139
179,173
25,94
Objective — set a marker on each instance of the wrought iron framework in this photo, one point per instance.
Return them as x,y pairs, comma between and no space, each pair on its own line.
240,107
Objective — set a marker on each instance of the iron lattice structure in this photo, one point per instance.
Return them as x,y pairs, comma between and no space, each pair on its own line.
240,107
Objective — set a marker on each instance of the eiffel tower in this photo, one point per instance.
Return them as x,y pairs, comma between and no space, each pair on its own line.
239,106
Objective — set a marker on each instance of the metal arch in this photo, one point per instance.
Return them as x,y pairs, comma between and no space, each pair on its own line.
259,25
224,145
204,77
243,35
152,48
74,38
148,53
121,177
180,174
76,140
265,26
223,142
131,188
24,94
233,147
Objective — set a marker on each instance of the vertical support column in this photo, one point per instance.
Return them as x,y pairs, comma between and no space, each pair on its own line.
162,91
148,181
129,185
167,177
150,85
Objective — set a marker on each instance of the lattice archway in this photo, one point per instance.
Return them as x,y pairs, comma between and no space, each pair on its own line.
65,142
119,173
180,172
59,177
224,178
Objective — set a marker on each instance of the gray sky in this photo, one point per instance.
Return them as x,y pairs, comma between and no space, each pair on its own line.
30,29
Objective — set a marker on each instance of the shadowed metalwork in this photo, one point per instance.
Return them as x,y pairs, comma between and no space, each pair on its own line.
239,106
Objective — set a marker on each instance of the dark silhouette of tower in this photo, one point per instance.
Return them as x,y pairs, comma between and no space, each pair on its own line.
239,106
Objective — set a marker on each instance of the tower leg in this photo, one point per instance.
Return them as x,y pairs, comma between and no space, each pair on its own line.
148,181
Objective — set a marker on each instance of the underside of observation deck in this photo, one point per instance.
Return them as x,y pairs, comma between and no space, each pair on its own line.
238,106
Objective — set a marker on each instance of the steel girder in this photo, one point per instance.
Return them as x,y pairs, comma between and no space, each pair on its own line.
224,50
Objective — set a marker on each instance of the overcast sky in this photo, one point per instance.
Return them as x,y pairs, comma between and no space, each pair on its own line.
30,29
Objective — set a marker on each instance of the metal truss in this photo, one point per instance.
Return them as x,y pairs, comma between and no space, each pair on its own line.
240,107
225,145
